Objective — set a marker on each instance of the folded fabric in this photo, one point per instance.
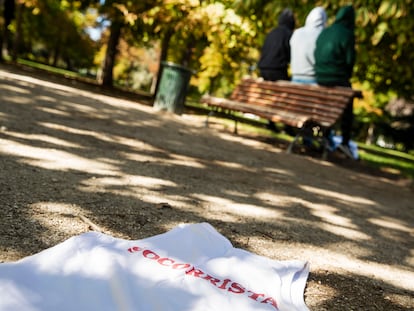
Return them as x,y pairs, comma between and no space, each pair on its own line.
191,267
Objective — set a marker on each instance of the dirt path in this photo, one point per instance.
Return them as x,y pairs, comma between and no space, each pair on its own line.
73,160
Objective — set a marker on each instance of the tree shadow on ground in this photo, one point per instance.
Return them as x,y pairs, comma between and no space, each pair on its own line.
108,164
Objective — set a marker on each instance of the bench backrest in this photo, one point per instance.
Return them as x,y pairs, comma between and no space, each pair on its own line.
295,103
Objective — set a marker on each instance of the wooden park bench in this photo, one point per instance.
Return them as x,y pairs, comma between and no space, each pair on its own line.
312,109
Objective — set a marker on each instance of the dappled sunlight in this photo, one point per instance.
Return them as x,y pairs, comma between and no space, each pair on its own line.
77,131
105,183
328,214
274,199
358,250
44,98
82,108
119,140
324,293
236,210
153,197
50,215
56,207
45,138
278,171
17,100
235,193
332,260
410,259
185,161
58,112
52,159
94,162
392,223
234,138
15,90
344,232
134,143
250,210
141,157
332,222
397,299
132,186
119,103
337,196
173,160
395,230
38,82
232,165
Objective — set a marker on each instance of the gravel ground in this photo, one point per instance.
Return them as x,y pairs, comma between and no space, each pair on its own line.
73,159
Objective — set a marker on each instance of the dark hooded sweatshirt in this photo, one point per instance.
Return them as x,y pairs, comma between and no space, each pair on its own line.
335,50
275,54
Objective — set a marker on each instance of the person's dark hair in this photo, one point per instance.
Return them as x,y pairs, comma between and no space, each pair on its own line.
287,19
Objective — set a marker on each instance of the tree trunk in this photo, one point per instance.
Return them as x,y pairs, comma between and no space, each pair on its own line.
56,54
1,45
370,134
8,15
188,53
18,35
165,44
111,52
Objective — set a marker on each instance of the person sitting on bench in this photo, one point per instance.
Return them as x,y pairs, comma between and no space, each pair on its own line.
334,62
275,54
302,47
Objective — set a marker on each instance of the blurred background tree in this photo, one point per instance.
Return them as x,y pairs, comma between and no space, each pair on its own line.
123,43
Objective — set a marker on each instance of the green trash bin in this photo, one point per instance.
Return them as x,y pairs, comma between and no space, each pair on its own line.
172,89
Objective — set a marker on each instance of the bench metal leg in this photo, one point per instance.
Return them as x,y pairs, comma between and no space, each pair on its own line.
211,113
293,142
326,148
311,132
346,151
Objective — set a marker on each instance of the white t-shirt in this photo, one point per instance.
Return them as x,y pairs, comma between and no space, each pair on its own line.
191,267
303,43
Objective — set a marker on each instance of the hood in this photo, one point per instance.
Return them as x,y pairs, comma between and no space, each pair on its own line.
287,19
346,17
316,18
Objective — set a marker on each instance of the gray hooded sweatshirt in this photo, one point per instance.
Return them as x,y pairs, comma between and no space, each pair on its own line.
302,46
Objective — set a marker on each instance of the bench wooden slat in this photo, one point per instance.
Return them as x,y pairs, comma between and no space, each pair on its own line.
298,105
286,117
290,87
282,89
325,116
252,94
290,103
287,102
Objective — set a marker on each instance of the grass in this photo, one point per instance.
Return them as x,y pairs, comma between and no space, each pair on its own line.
59,71
386,160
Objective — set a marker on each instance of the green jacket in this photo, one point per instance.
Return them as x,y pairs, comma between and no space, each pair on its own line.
335,50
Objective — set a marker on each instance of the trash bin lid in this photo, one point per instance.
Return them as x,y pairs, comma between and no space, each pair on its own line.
173,65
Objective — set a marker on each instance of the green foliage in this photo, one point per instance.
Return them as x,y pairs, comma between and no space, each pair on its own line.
383,33
384,44
67,44
211,37
388,160
385,47
221,40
